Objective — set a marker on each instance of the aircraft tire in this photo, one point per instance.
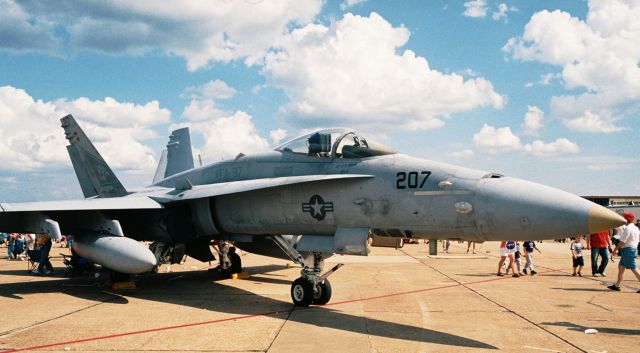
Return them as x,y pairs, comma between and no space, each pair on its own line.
322,294
302,292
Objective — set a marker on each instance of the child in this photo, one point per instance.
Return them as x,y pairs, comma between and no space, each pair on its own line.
529,246
518,259
576,252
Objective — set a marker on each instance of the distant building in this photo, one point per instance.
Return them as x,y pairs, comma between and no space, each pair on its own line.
618,204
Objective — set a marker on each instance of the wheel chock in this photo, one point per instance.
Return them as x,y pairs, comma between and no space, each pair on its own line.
241,275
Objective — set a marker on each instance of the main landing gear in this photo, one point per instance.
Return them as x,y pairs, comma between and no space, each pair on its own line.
312,287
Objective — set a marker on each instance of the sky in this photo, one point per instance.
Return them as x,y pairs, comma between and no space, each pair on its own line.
547,91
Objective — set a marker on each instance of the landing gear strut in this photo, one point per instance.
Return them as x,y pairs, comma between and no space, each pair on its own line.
312,287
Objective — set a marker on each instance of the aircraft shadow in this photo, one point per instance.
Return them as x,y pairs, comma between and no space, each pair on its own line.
575,327
206,292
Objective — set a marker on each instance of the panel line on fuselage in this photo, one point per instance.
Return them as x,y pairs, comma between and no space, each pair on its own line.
442,192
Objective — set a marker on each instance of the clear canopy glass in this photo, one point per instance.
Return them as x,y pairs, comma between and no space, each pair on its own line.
336,143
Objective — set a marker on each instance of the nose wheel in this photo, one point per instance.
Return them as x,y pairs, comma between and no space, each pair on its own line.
304,292
311,287
322,293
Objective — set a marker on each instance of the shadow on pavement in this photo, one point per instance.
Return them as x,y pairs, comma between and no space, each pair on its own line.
579,328
203,290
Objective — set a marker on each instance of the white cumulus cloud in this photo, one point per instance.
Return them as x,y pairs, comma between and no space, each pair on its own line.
533,120
349,3
31,137
200,110
201,32
475,8
560,146
353,72
599,56
215,89
225,134
502,139
501,13
228,136
593,123
19,32
277,136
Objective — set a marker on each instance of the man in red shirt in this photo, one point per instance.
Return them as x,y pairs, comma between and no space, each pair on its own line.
599,244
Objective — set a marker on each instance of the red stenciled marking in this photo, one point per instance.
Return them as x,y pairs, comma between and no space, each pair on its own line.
268,313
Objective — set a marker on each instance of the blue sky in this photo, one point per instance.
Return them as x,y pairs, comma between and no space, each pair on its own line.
547,91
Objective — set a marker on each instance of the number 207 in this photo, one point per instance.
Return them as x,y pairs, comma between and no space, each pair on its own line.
411,180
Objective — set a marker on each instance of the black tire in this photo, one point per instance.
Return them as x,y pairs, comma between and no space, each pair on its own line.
302,292
322,293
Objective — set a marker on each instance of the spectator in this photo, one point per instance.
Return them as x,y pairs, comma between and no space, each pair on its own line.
469,244
30,241
11,242
507,249
599,244
45,266
518,259
236,262
529,246
445,244
576,253
628,248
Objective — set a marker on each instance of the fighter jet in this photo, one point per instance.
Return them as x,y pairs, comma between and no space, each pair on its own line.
312,197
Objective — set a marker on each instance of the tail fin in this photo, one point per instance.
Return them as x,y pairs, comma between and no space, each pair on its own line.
177,157
94,175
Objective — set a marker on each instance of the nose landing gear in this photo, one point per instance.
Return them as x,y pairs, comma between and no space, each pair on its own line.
312,287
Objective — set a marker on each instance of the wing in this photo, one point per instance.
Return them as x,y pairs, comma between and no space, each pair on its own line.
146,206
187,192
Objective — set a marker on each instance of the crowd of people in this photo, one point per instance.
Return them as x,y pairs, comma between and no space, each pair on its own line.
21,246
514,251
623,241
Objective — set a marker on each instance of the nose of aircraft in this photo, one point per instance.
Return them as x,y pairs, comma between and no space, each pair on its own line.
509,208
600,219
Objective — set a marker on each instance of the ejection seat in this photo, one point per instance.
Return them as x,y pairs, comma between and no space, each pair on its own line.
319,144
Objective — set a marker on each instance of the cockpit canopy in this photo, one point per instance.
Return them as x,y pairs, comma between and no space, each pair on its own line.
335,143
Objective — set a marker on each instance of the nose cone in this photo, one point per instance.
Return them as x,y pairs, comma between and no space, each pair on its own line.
509,208
601,219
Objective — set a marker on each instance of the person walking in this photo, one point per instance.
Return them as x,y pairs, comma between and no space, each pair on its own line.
628,249
599,244
529,246
445,244
507,250
470,244
576,253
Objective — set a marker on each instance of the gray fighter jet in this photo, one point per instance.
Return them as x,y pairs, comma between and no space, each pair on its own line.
317,195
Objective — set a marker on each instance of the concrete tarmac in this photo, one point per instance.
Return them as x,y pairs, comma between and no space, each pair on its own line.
392,301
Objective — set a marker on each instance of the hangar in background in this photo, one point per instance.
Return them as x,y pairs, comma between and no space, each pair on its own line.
618,203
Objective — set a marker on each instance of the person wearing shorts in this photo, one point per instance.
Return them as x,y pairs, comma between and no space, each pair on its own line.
576,253
628,249
507,249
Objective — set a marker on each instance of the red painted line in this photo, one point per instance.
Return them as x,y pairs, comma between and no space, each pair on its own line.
269,313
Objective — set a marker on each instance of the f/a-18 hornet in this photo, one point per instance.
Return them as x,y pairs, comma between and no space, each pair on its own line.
317,195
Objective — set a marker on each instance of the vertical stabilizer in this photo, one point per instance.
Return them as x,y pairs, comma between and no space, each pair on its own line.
94,175
162,167
177,157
